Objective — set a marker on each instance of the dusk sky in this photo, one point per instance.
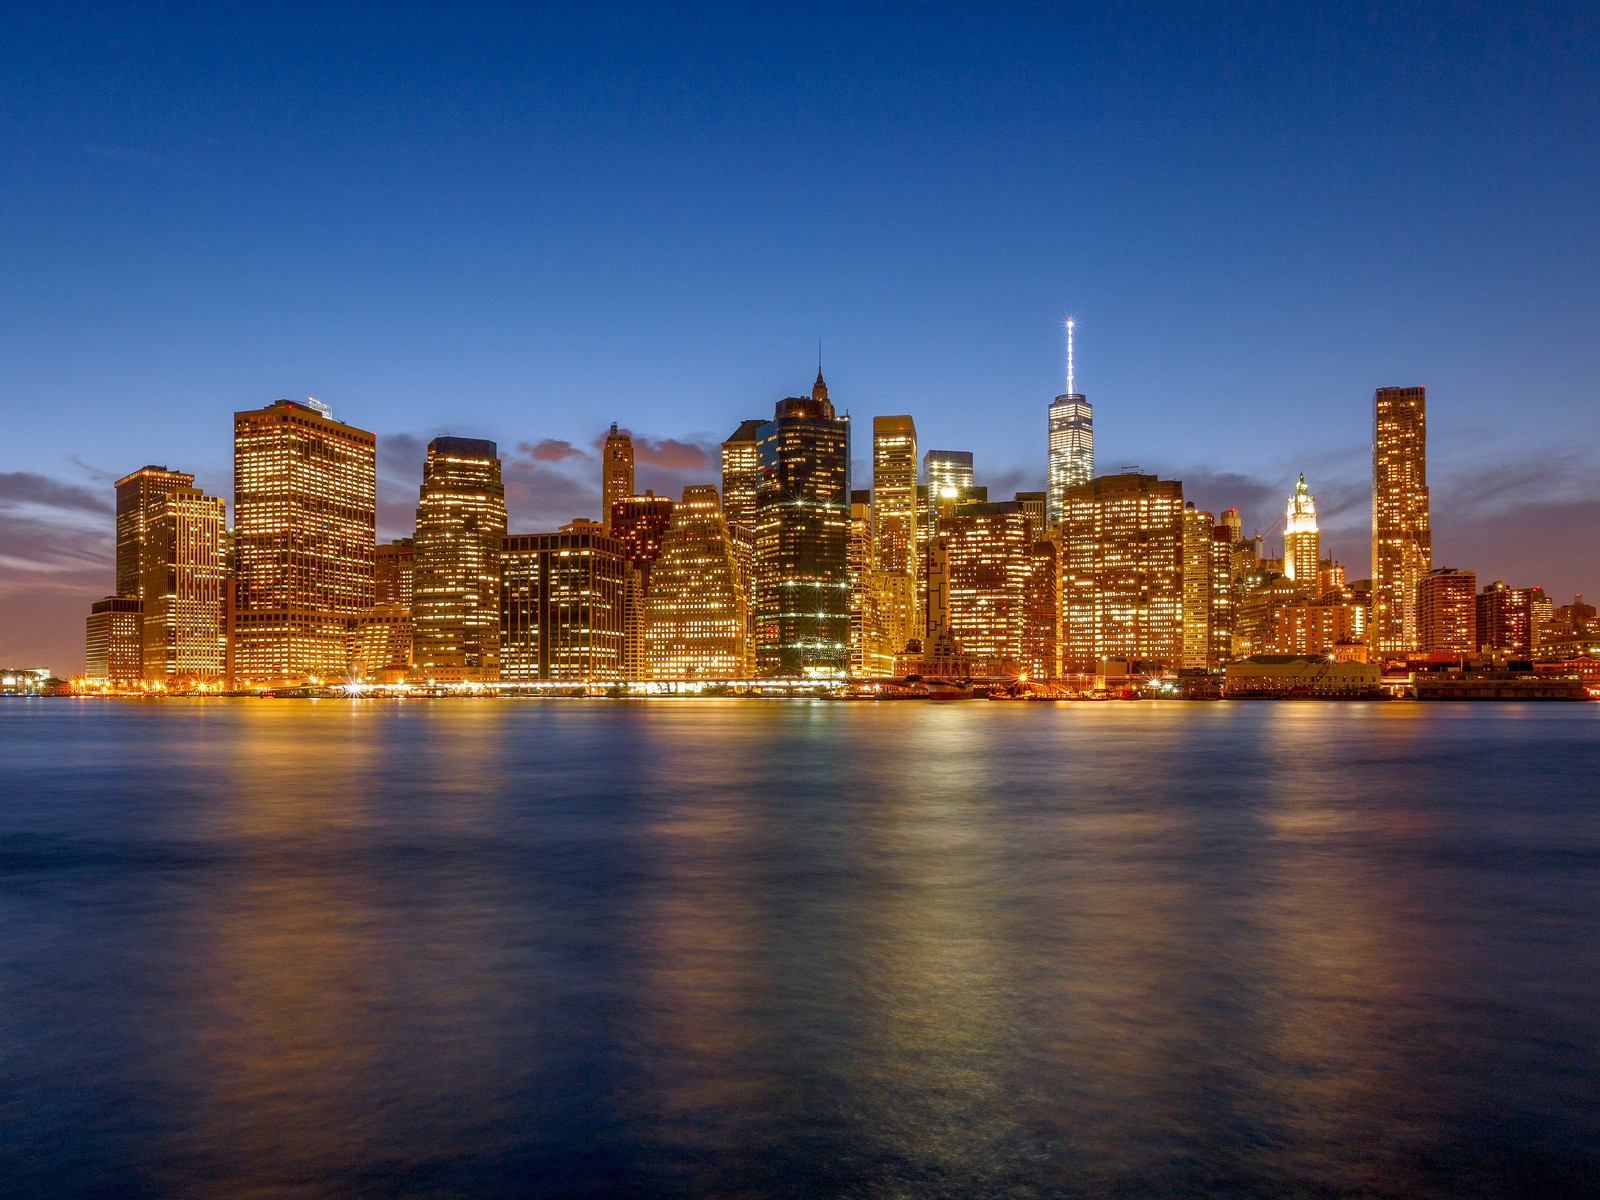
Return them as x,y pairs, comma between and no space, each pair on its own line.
526,224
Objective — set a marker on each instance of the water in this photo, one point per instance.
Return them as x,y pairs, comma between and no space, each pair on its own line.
541,948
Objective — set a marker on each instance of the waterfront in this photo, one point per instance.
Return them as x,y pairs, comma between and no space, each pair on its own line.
798,948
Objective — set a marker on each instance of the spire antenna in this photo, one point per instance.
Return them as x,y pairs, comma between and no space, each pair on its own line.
1071,321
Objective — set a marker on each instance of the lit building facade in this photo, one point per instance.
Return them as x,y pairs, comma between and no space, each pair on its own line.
114,642
801,538
1505,619
1447,611
1198,527
739,478
182,584
616,472
1302,547
697,626
305,517
894,540
1306,626
986,550
561,606
461,523
1122,573
1071,434
394,574
639,526
141,497
1402,541
863,597
1041,610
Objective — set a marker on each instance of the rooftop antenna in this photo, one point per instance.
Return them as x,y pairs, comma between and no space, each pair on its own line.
819,356
1071,321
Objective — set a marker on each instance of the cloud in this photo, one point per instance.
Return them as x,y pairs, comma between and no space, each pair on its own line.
32,548
550,450
22,488
670,454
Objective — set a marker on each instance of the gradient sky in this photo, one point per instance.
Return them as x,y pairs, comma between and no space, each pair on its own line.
525,224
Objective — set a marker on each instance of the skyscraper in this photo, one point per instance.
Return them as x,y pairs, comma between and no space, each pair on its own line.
305,514
639,526
948,471
114,641
1071,441
892,572
1505,618
986,559
1302,549
561,606
461,522
141,496
1122,573
739,478
395,573
1198,528
1041,611
182,585
801,534
863,598
616,472
1402,544
696,626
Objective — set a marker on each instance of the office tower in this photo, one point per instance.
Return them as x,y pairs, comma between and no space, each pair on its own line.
1402,545
895,616
114,641
1224,594
986,563
561,606
1302,551
1071,441
1505,619
305,516
739,478
394,574
947,471
182,585
1041,610
696,628
801,535
858,570
1229,520
141,495
616,472
461,522
639,525
1447,611
1034,508
1198,528
1330,577
1122,573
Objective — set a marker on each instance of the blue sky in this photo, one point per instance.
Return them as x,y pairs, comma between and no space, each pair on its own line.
524,224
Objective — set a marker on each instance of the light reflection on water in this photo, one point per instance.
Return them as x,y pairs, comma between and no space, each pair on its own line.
747,948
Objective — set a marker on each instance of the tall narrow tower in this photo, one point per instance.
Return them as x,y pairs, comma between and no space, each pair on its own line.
1302,550
1071,441
461,520
616,480
1402,543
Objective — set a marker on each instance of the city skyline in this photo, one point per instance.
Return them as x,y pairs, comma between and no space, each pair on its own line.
1255,221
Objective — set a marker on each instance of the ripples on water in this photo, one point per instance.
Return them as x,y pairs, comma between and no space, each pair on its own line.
793,949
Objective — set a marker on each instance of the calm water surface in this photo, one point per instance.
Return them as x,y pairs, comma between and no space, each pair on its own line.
254,948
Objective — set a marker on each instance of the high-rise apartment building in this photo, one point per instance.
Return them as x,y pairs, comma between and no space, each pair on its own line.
986,551
1402,543
1198,528
461,523
1071,441
801,535
1505,619
182,583
305,518
1447,611
1122,573
141,496
1302,547
561,606
114,642
697,628
616,472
